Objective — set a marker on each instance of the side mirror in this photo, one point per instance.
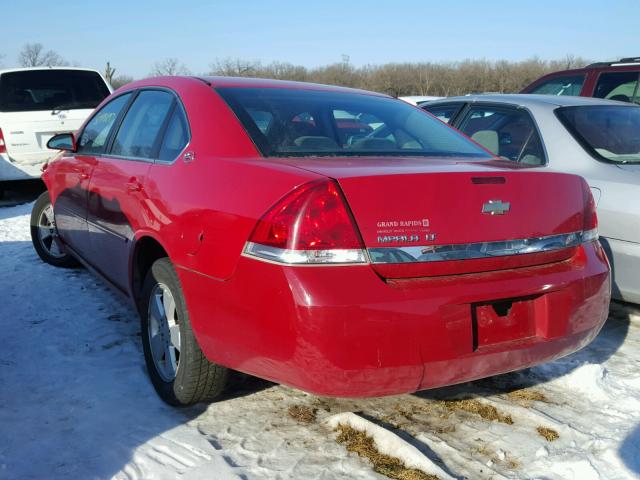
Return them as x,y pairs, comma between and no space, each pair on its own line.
62,141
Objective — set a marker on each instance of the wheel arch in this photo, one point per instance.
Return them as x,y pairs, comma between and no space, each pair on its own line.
146,250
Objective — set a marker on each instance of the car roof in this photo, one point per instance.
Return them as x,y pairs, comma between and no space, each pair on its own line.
248,82
531,100
244,82
31,69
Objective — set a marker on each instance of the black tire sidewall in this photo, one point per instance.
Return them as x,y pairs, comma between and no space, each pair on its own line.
66,261
172,392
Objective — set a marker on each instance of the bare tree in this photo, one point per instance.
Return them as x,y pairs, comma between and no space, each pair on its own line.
34,55
109,73
120,80
169,66
229,67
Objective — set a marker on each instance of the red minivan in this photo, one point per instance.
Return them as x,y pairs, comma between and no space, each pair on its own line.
611,80
254,228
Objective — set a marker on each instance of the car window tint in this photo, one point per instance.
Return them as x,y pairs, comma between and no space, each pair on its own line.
175,138
507,132
141,125
262,119
621,86
607,132
33,90
443,112
301,122
570,86
95,134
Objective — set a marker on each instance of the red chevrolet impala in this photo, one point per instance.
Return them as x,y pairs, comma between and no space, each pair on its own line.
336,240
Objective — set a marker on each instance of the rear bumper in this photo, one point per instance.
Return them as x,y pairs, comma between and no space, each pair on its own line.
11,170
343,331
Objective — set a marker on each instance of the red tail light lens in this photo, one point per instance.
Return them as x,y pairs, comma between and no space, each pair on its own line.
3,146
309,225
590,229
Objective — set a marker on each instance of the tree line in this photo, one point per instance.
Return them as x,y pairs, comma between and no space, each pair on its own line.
396,79
409,78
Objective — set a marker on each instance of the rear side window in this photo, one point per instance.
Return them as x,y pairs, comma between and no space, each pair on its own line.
571,86
95,134
142,124
443,112
608,133
621,86
175,138
509,133
297,122
35,90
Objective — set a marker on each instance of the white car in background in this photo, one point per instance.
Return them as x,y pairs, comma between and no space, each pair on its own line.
35,105
597,139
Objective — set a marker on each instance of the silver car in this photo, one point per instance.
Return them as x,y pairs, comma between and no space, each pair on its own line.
598,139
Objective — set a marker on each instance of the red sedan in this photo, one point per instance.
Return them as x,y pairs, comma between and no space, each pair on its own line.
339,241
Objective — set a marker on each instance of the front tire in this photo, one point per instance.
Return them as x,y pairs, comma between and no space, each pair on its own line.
178,369
44,235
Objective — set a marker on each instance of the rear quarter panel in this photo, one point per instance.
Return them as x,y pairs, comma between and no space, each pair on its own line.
203,211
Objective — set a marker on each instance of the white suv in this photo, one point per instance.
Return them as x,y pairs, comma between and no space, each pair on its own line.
37,103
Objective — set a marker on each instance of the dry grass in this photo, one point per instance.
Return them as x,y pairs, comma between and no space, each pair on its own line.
548,433
527,395
488,412
359,442
303,413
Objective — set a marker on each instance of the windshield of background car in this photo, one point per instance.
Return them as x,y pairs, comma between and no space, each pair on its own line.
296,122
609,133
33,90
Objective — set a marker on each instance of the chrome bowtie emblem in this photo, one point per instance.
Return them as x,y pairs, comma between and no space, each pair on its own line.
496,207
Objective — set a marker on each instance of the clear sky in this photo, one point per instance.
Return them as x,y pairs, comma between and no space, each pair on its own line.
134,34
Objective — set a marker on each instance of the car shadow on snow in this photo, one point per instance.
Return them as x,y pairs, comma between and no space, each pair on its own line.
630,451
18,192
75,399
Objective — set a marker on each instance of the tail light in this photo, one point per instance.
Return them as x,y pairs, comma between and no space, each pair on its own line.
310,225
3,146
590,229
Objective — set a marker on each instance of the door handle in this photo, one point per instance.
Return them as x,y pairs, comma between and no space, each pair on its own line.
134,185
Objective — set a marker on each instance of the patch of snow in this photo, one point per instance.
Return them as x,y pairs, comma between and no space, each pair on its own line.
389,443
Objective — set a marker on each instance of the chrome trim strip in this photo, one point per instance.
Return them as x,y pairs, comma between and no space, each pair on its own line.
305,257
469,251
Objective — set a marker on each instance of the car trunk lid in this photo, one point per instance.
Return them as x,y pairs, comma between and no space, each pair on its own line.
422,217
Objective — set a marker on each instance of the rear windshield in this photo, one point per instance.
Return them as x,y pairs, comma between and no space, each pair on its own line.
291,122
609,133
51,90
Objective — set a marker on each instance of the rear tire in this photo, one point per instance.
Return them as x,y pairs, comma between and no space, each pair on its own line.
44,235
178,369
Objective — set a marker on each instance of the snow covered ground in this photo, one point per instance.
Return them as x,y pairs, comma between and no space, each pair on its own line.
75,402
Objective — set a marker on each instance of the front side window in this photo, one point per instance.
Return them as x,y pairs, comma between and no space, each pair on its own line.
296,122
509,133
141,126
34,90
95,134
570,85
609,133
443,112
621,86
